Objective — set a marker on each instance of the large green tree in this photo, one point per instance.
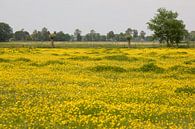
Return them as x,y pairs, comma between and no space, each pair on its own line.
45,34
5,32
60,36
21,35
166,27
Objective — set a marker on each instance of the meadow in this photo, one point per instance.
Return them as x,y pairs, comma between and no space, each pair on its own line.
150,88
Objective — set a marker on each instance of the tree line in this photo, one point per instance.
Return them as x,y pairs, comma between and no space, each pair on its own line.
44,35
165,24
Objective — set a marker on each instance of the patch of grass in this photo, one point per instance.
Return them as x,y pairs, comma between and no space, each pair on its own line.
3,60
151,67
55,54
153,53
182,53
190,61
191,70
37,64
188,90
52,62
23,59
120,58
84,58
79,58
117,57
166,56
179,68
183,69
102,68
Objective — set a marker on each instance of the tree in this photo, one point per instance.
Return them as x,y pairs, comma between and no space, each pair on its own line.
21,35
34,35
129,31
110,36
52,37
45,34
77,35
5,32
142,35
120,37
149,38
167,28
129,37
60,36
192,35
135,34
92,35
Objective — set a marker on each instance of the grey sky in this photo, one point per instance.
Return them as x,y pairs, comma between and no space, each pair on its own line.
101,15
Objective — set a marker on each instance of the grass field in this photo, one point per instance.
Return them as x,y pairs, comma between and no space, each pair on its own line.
88,45
97,88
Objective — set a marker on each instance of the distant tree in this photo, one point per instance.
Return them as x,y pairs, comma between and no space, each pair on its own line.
129,37
60,36
135,34
102,37
77,35
142,35
21,35
110,36
149,38
167,27
52,38
92,35
192,35
120,37
45,34
5,32
34,35
129,31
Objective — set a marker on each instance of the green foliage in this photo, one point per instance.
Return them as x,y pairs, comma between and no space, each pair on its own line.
120,58
111,36
167,28
182,69
102,68
77,35
190,61
188,90
5,32
21,35
151,67
23,59
117,57
60,36
2,60
42,35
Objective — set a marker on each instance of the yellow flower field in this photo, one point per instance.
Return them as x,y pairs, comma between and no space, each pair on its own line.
97,88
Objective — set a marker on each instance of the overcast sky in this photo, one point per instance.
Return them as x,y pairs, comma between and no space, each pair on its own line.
101,15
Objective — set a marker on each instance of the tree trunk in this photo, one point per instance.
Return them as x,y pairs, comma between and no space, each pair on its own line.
168,44
52,43
129,44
